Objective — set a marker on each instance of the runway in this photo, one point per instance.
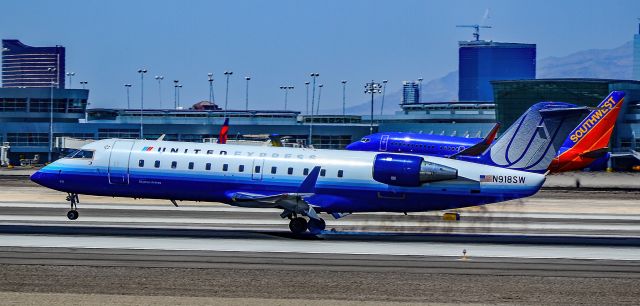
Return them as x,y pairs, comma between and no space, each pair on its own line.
546,249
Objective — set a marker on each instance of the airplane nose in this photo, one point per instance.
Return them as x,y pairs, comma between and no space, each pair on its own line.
37,177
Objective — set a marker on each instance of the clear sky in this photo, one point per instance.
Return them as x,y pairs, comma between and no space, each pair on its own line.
280,42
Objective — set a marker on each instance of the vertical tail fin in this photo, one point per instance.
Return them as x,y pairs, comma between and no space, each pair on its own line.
595,130
224,130
531,143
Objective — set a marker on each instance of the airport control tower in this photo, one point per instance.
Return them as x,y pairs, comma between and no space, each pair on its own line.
481,62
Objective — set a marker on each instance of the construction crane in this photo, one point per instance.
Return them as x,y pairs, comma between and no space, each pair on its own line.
476,27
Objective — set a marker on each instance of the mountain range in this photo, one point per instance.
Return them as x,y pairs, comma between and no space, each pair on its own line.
615,63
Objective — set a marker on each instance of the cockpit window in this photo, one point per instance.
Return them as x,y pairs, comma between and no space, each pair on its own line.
80,154
365,140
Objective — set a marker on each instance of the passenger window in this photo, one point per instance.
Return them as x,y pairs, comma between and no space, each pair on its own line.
274,170
174,164
141,163
207,166
225,167
340,173
157,164
241,168
257,169
290,171
191,165
323,172
305,171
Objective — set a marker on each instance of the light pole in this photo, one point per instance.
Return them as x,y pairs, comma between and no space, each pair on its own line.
306,84
83,83
419,89
313,96
226,95
372,88
246,96
319,96
175,94
286,93
344,104
179,88
384,91
141,71
51,116
159,78
70,75
210,75
128,86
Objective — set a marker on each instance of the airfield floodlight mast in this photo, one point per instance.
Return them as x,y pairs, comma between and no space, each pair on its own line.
211,98
128,86
84,84
344,105
70,75
384,90
53,83
313,95
319,96
372,88
141,71
246,92
175,93
179,88
306,84
419,89
226,95
286,93
159,78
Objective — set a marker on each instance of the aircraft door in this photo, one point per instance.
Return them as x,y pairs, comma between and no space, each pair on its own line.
383,142
257,169
119,162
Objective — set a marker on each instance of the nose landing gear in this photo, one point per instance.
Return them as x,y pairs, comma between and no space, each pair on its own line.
73,200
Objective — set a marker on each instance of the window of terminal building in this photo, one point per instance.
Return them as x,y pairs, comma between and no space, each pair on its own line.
157,164
28,139
174,164
191,165
13,105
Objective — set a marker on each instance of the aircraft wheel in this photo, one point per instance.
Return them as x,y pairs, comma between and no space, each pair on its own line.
298,225
316,226
72,214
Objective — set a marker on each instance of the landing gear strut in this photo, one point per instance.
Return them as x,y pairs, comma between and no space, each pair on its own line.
73,200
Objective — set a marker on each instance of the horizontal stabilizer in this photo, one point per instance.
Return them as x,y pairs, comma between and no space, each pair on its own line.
597,153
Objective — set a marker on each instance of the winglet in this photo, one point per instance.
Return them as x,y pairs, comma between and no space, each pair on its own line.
309,183
222,139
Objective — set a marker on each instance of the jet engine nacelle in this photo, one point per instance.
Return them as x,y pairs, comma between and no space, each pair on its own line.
409,171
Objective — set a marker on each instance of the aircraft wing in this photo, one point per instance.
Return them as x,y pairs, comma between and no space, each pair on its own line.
292,201
481,146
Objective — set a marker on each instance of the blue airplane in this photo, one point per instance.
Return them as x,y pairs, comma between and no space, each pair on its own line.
307,182
427,144
586,146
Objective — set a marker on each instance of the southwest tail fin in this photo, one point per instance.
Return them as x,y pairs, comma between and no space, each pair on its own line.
224,130
594,132
531,143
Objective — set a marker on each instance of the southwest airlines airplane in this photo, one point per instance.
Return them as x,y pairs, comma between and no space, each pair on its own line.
586,145
306,182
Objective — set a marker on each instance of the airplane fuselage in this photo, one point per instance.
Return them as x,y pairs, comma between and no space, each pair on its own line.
214,173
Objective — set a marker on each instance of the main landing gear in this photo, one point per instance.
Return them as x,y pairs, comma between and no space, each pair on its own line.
299,225
73,200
